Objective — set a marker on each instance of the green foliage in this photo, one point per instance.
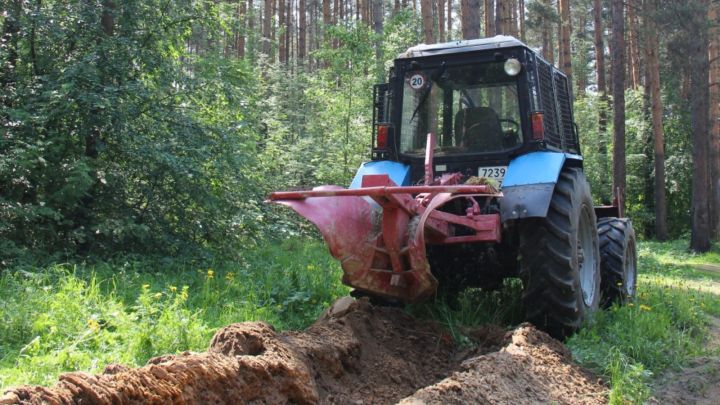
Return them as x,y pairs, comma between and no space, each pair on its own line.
68,317
663,328
122,140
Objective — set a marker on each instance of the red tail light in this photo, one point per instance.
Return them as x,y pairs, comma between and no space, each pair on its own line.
538,127
381,140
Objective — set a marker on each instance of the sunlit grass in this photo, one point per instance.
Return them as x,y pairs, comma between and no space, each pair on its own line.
81,317
664,328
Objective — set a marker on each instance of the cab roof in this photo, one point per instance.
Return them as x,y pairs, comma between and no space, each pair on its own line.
496,42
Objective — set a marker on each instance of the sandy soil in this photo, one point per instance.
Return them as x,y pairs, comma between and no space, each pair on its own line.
355,353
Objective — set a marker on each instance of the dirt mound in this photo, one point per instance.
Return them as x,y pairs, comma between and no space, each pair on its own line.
354,354
532,368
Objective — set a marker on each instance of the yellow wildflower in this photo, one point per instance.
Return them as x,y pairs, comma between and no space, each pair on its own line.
145,286
173,288
230,276
645,307
210,273
157,295
93,325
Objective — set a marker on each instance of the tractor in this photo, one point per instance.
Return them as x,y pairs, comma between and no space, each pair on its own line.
475,176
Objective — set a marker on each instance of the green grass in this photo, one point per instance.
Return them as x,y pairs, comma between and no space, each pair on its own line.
82,317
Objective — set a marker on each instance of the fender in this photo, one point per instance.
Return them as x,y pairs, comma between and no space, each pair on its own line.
398,172
529,183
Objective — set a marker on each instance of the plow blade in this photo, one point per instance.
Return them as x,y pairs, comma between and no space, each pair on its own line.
379,232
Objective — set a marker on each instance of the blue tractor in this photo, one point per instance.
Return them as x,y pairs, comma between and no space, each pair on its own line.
476,176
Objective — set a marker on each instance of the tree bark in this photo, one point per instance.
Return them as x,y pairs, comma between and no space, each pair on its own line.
441,20
284,31
633,46
700,104
470,14
652,61
547,37
489,18
618,73
266,28
242,16
302,32
602,92
565,30
713,55
503,7
521,12
427,21
449,19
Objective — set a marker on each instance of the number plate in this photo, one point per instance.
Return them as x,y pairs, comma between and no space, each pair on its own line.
493,172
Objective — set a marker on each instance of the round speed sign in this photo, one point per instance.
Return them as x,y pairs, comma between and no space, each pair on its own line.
417,81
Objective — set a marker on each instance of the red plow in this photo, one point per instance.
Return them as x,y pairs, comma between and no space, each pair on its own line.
379,231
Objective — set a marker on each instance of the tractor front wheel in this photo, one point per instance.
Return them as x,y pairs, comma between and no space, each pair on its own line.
618,260
560,259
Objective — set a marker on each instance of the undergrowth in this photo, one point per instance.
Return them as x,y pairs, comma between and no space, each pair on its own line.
82,317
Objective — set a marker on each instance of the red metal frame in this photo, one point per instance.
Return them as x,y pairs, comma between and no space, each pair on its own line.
379,231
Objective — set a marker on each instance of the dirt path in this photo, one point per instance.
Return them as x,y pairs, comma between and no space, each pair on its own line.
698,382
354,354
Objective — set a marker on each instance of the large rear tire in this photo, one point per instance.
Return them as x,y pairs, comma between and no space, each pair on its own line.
560,259
618,260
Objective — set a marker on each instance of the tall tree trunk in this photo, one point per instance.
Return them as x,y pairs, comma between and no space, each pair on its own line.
602,91
618,73
521,12
302,32
441,20
565,30
250,23
469,10
699,103
713,55
489,18
242,16
427,21
266,28
449,18
337,6
284,32
503,10
547,37
652,64
633,45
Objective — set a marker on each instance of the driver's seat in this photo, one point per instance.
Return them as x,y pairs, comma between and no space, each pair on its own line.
486,134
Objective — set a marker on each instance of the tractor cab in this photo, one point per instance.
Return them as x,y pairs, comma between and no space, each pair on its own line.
486,101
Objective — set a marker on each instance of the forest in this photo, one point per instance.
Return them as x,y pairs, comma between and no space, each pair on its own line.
140,139
158,127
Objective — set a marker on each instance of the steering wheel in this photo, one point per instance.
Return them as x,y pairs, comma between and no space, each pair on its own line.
514,126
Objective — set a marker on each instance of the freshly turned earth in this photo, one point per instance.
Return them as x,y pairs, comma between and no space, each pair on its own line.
355,353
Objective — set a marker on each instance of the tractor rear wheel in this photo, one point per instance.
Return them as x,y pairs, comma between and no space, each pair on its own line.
560,259
618,260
